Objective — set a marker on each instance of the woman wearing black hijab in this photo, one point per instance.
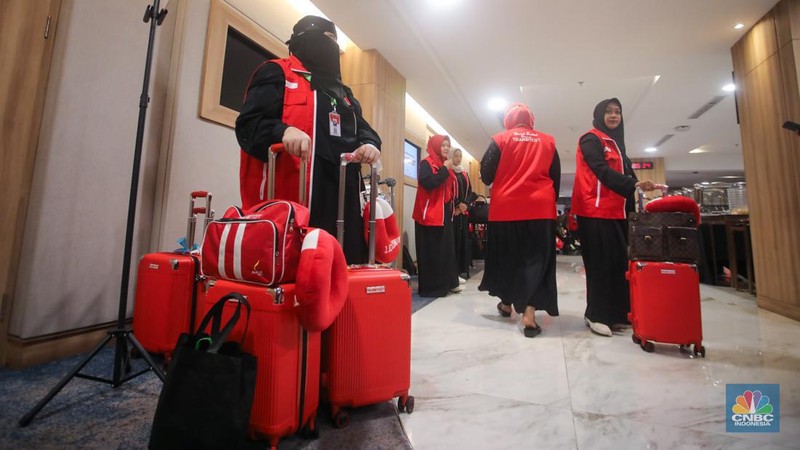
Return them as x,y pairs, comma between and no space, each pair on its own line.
300,101
602,196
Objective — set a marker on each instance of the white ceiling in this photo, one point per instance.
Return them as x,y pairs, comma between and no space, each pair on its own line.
562,58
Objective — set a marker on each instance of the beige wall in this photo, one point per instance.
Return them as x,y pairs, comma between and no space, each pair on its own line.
767,71
72,251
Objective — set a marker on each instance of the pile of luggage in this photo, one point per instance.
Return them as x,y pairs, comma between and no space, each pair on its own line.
664,251
318,328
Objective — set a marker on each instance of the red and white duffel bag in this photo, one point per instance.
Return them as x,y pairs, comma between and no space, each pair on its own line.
260,245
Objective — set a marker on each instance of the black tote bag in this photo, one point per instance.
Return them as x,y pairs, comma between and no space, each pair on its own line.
208,391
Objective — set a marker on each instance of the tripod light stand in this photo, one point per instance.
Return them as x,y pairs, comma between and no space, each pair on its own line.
121,334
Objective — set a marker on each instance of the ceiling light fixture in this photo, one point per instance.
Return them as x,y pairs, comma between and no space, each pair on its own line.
698,150
738,26
651,149
497,104
729,87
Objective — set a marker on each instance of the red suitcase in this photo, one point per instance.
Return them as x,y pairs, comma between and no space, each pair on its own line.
366,353
287,384
166,290
665,304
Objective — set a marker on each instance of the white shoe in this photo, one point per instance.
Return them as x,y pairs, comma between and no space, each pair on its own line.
461,281
598,328
457,289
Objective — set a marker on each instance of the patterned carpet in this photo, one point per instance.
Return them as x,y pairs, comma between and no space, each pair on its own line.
93,415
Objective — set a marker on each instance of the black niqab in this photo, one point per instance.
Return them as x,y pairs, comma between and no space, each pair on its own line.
318,53
618,134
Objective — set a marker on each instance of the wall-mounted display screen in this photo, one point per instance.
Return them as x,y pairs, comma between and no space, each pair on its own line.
410,159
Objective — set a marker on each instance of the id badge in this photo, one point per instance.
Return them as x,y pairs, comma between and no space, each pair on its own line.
334,119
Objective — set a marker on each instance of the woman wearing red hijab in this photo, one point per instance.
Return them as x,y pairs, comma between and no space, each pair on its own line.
433,217
523,167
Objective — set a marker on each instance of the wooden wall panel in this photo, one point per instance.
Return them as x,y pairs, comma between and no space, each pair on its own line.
25,55
768,95
380,89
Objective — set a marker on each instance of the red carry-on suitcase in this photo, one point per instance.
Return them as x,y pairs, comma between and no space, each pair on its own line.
366,353
287,384
665,304
166,290
287,381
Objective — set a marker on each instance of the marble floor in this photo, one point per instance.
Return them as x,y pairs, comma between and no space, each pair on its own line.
480,384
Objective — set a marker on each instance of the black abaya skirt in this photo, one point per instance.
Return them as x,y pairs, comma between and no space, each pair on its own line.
604,247
520,264
325,209
462,244
435,259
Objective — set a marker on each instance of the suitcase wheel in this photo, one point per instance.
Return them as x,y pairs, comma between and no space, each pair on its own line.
406,406
699,350
636,339
648,346
341,419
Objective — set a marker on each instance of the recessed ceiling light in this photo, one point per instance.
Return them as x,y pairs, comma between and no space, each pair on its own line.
697,150
729,87
738,26
651,149
497,104
682,128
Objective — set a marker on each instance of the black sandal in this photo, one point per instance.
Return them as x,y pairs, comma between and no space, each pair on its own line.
532,331
502,311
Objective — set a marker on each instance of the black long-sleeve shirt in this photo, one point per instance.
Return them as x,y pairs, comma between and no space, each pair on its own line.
624,183
429,180
260,121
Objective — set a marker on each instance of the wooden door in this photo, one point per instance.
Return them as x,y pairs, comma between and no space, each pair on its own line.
27,35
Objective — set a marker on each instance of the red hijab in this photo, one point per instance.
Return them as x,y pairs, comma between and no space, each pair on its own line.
435,150
518,115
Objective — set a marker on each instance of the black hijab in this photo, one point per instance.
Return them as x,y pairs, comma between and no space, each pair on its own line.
318,53
617,134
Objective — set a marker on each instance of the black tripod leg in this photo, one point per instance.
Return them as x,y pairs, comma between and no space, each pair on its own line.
26,419
159,373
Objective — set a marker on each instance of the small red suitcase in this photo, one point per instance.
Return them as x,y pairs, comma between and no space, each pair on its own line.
665,304
166,290
366,353
287,384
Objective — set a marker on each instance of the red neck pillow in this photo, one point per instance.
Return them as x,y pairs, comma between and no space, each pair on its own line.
675,203
387,232
321,285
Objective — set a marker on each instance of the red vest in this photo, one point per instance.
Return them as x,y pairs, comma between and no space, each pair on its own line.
523,189
589,197
299,104
429,204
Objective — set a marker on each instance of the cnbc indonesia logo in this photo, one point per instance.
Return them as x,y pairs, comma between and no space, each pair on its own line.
753,409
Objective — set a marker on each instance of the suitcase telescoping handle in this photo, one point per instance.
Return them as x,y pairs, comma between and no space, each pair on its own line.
194,211
274,149
346,159
640,194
